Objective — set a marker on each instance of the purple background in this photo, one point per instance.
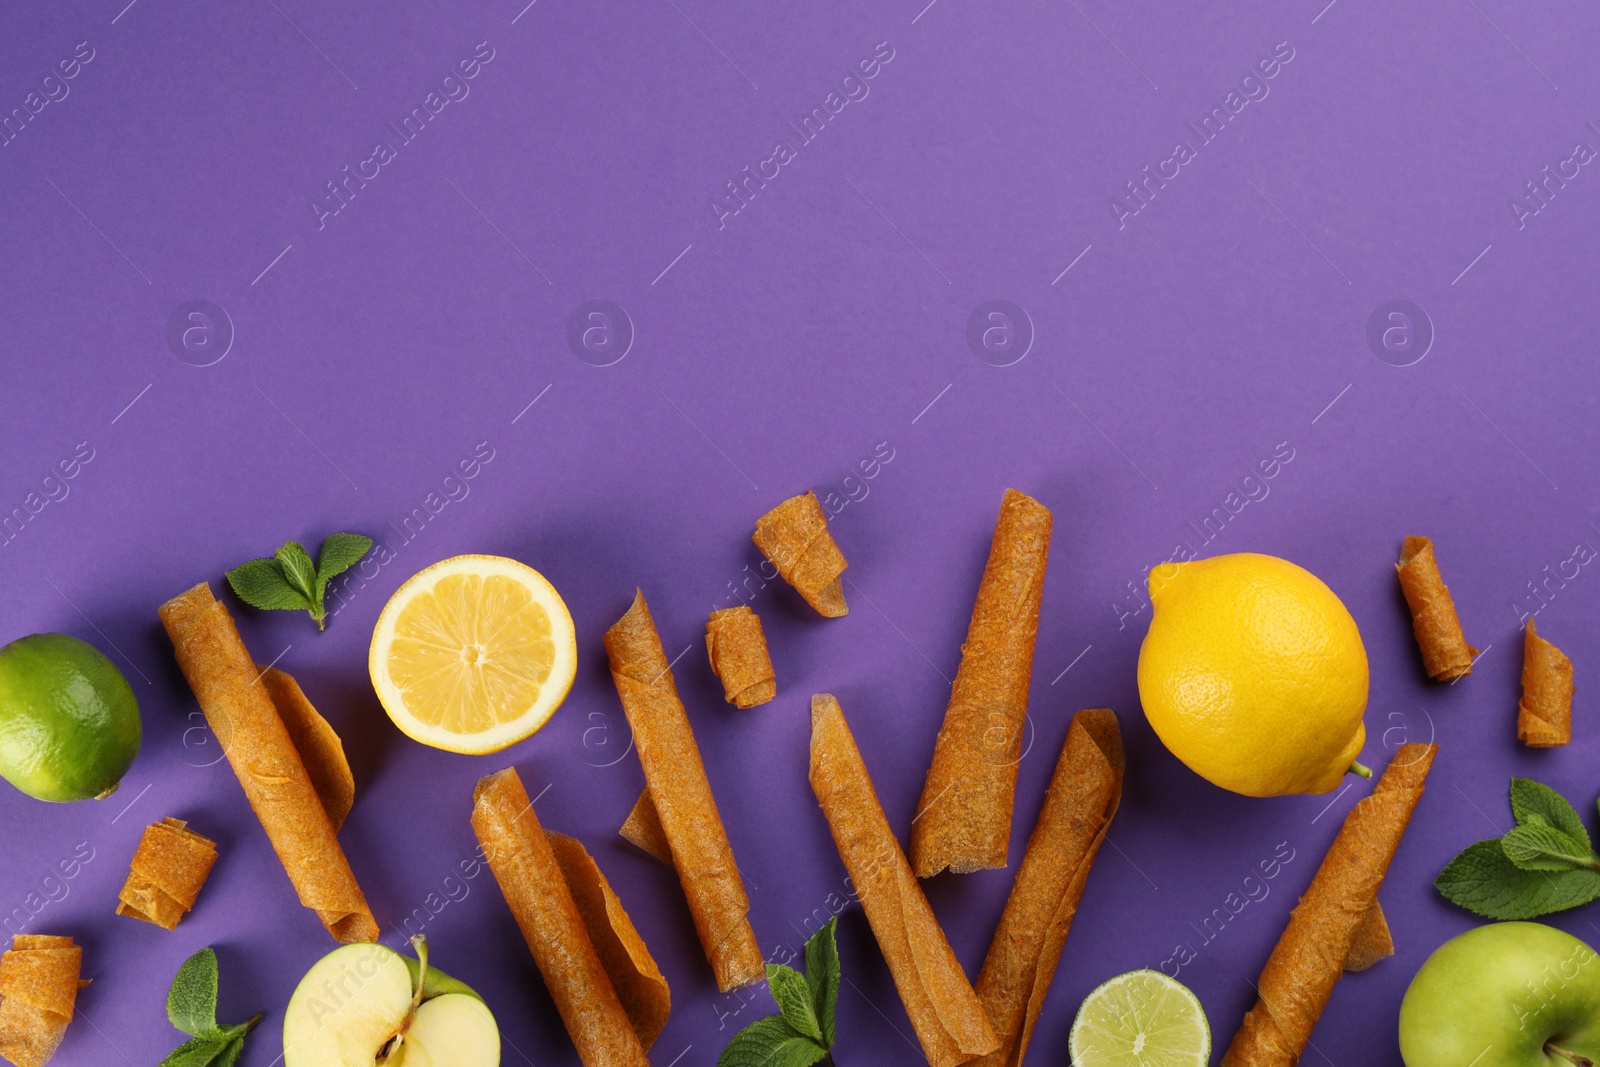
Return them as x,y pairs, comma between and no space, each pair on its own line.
1226,319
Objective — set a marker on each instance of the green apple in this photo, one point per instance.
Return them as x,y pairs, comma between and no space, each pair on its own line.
1511,994
367,1005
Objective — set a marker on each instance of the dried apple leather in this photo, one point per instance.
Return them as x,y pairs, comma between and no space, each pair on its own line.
939,1000
738,650
795,539
1078,806
38,993
247,725
1544,714
167,872
536,891
677,784
965,820
1446,655
1310,956
642,827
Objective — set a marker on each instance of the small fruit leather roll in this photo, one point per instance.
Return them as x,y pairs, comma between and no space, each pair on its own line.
239,709
1446,655
1078,806
166,874
738,651
38,992
532,883
795,539
1310,956
1544,714
678,788
971,786
939,1000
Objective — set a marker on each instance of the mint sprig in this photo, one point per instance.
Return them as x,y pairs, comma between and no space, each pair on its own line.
1545,863
803,1034
192,1008
289,581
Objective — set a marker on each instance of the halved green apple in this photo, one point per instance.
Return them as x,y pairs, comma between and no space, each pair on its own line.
368,1006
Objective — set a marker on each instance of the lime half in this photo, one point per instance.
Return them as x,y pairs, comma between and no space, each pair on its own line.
1141,1019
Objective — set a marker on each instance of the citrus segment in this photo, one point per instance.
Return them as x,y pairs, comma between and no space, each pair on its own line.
1140,1019
473,654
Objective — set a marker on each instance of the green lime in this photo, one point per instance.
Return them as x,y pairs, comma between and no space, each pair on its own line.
1140,1019
69,725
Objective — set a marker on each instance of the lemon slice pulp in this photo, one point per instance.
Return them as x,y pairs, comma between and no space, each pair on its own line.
473,654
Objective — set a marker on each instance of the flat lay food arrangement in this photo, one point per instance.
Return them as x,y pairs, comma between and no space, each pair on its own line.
1252,673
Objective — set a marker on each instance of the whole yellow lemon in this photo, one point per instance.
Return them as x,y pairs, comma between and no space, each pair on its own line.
1253,674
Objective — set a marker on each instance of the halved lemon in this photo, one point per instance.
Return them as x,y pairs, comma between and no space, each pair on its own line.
473,654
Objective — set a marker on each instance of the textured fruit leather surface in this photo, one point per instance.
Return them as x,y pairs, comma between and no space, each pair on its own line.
225,351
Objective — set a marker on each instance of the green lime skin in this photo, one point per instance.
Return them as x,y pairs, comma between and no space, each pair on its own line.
69,723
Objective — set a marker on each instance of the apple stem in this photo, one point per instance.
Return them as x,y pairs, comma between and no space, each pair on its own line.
1556,1050
1359,769
387,1050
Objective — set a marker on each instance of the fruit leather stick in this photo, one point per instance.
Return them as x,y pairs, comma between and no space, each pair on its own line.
1544,714
535,889
738,651
682,797
795,539
38,993
241,714
965,820
1445,653
939,1000
1310,956
1078,806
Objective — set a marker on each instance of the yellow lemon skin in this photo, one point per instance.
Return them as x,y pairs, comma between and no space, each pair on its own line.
1253,674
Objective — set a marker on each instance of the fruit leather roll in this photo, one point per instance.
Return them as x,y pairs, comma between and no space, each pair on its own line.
1544,714
38,992
166,874
535,889
1083,796
1445,653
794,537
939,1000
1310,956
642,827
738,651
250,730
678,788
965,821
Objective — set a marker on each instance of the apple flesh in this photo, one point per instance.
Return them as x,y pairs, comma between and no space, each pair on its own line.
1513,994
360,1006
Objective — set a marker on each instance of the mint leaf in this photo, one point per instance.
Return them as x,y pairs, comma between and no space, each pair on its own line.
298,569
1485,881
822,975
200,1052
789,989
340,552
192,1002
770,1042
261,584
1533,847
230,1053
1534,802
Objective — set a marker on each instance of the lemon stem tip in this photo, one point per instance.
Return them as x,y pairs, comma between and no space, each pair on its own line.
1360,769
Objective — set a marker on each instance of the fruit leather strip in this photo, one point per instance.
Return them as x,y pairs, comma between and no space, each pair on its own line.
38,991
1372,941
1078,806
965,820
531,881
794,537
319,746
1445,653
738,651
634,975
246,723
940,1002
1544,714
643,828
677,783
1300,974
168,869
